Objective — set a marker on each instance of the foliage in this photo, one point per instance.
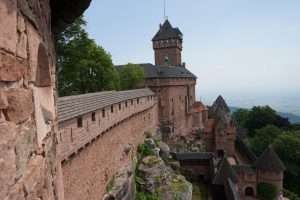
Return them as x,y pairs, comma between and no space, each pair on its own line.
146,196
259,117
144,150
266,191
240,116
82,65
263,138
290,195
287,145
131,77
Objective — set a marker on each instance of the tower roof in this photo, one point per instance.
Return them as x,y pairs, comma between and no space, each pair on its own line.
220,111
166,31
220,103
269,161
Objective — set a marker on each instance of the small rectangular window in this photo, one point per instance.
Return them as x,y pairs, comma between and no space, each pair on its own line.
131,101
126,104
79,122
120,106
112,108
103,113
138,100
93,116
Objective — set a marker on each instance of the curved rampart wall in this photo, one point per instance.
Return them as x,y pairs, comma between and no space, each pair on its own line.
90,155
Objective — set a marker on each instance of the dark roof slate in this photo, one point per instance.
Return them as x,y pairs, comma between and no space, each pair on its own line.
166,31
269,161
74,106
152,71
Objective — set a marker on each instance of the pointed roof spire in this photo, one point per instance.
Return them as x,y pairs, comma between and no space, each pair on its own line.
166,31
269,161
221,103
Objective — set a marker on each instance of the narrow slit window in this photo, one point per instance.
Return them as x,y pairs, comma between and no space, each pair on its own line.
112,109
103,113
120,106
79,122
93,116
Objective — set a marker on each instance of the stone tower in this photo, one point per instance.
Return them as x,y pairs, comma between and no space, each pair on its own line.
167,45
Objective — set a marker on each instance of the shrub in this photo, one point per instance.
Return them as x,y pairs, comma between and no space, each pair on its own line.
290,195
266,191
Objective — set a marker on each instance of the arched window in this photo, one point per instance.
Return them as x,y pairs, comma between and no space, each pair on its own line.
249,191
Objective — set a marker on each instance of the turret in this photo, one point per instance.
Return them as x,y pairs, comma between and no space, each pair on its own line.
270,169
167,45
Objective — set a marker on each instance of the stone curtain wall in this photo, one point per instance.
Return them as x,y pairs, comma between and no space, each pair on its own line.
87,173
27,111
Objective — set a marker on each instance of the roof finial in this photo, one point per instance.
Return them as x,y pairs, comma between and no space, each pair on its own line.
165,9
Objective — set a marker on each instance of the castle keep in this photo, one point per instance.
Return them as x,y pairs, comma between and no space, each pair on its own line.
71,147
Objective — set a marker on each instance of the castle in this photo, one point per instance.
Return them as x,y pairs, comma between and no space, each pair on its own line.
69,148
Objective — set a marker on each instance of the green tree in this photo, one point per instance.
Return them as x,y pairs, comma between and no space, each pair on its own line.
259,117
263,138
241,116
83,66
266,191
131,77
287,145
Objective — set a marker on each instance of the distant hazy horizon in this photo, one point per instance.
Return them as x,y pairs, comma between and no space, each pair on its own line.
248,51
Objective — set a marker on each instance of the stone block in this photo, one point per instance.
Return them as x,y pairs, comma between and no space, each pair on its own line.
22,46
34,178
26,144
34,41
8,22
7,157
3,100
16,193
20,104
11,69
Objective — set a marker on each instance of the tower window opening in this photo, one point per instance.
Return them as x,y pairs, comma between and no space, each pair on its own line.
93,116
79,122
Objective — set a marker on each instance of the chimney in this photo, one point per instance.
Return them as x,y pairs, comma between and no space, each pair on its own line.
183,64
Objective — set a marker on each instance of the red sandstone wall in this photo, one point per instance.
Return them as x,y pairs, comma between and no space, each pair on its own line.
27,153
174,102
87,173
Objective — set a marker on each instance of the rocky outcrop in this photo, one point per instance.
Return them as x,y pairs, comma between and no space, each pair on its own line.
122,186
154,177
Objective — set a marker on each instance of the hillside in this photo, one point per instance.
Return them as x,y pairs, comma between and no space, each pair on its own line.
292,117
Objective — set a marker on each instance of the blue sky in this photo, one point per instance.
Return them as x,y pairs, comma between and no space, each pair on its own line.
233,46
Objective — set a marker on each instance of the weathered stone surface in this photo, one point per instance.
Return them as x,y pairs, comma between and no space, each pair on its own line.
16,193
26,144
3,100
121,186
7,157
33,45
161,179
8,30
20,104
22,45
34,177
43,77
11,69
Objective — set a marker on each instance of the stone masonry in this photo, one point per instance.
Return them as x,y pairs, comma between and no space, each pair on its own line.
27,96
